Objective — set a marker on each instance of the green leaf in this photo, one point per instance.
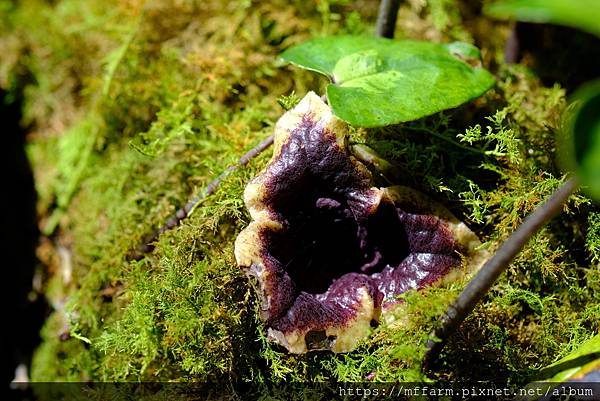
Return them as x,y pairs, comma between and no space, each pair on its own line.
583,146
581,14
577,363
378,81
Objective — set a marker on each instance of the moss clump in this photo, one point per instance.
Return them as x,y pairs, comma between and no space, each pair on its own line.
134,107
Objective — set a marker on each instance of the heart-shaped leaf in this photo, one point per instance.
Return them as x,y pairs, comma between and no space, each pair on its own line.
582,14
378,81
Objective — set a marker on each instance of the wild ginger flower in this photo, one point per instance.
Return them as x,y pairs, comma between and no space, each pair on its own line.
329,251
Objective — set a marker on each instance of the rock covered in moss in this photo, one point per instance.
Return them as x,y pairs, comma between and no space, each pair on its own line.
329,251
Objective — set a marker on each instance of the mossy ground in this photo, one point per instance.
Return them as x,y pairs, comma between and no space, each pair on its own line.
134,106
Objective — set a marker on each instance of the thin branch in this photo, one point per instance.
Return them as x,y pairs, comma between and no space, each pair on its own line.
148,245
492,269
386,20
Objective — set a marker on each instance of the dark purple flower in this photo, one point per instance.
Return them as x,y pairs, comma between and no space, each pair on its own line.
329,251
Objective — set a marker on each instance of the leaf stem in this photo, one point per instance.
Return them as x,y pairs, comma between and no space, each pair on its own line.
492,269
174,220
386,20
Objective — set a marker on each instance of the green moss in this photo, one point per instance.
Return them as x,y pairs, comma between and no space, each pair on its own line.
136,107
593,236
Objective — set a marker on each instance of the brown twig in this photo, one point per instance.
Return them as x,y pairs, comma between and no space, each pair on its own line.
173,221
492,269
386,20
